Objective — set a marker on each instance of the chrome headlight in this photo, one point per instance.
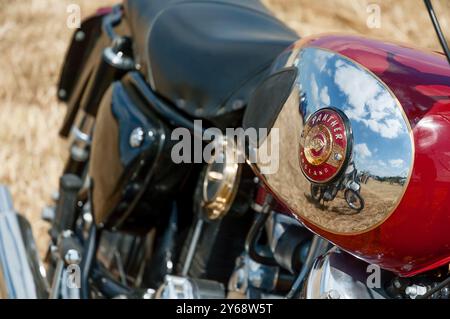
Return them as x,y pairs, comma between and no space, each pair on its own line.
221,180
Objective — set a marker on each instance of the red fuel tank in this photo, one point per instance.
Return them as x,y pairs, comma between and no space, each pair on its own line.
364,149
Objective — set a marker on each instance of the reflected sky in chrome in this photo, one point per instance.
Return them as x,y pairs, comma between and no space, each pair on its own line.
382,144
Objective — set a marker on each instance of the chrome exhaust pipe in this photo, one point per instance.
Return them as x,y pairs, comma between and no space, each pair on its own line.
22,274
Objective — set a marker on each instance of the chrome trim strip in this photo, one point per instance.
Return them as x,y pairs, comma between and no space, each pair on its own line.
338,275
19,267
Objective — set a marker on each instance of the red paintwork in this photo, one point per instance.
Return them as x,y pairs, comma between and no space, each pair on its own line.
402,68
104,11
276,205
434,90
416,237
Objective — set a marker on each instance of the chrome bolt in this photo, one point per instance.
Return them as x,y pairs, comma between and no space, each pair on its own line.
80,36
53,248
72,257
67,233
337,156
415,290
55,197
87,218
137,137
62,94
237,104
256,281
332,294
149,294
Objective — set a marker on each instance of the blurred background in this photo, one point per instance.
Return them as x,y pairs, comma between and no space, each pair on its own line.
34,37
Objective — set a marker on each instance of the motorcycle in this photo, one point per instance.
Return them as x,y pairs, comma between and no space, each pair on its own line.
135,217
349,185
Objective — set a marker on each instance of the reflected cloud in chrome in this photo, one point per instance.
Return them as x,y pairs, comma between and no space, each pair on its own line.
379,163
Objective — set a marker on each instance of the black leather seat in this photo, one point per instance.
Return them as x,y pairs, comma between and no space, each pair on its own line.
205,56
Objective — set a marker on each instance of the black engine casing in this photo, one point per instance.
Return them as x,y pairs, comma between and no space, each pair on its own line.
131,186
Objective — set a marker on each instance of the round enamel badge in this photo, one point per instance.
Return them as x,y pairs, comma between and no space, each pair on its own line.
325,145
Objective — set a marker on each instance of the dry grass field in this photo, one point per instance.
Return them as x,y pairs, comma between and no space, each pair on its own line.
33,40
